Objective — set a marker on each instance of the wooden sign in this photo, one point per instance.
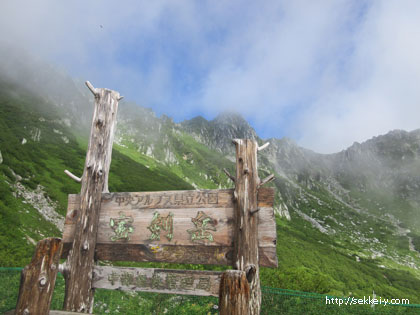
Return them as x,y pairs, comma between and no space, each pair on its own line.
174,226
192,282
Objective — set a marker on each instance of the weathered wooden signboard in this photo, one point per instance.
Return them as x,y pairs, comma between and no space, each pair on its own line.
195,227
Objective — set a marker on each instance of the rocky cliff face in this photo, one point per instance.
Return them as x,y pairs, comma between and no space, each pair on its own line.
219,132
384,166
389,162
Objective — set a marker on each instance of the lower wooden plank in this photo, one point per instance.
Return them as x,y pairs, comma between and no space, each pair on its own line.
205,255
191,282
52,312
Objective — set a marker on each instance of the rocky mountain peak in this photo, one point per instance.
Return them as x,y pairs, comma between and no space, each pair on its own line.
219,132
396,145
232,125
232,119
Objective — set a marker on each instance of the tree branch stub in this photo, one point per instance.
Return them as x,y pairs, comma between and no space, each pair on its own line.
263,146
92,89
266,180
228,175
72,176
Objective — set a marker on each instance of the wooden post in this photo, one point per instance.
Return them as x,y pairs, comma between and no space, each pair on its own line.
80,262
246,219
234,293
38,278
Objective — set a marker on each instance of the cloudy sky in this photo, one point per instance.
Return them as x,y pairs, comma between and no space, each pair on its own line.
325,73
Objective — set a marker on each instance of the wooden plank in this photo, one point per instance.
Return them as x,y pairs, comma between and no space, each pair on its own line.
204,255
234,293
38,278
79,293
175,199
191,282
220,211
268,257
220,229
265,197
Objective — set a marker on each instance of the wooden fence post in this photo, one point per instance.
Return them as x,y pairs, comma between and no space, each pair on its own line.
234,293
80,262
246,215
38,278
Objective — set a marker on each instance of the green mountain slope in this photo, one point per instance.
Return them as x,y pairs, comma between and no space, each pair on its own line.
36,146
345,225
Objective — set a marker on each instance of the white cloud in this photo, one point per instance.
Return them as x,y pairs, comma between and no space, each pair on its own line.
326,73
274,58
380,91
89,39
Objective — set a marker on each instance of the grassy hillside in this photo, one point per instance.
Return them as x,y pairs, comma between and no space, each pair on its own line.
36,145
310,261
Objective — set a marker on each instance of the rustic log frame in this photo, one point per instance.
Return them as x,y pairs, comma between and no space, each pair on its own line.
38,278
239,291
79,292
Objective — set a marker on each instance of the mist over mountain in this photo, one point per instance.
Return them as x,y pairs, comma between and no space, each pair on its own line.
347,223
